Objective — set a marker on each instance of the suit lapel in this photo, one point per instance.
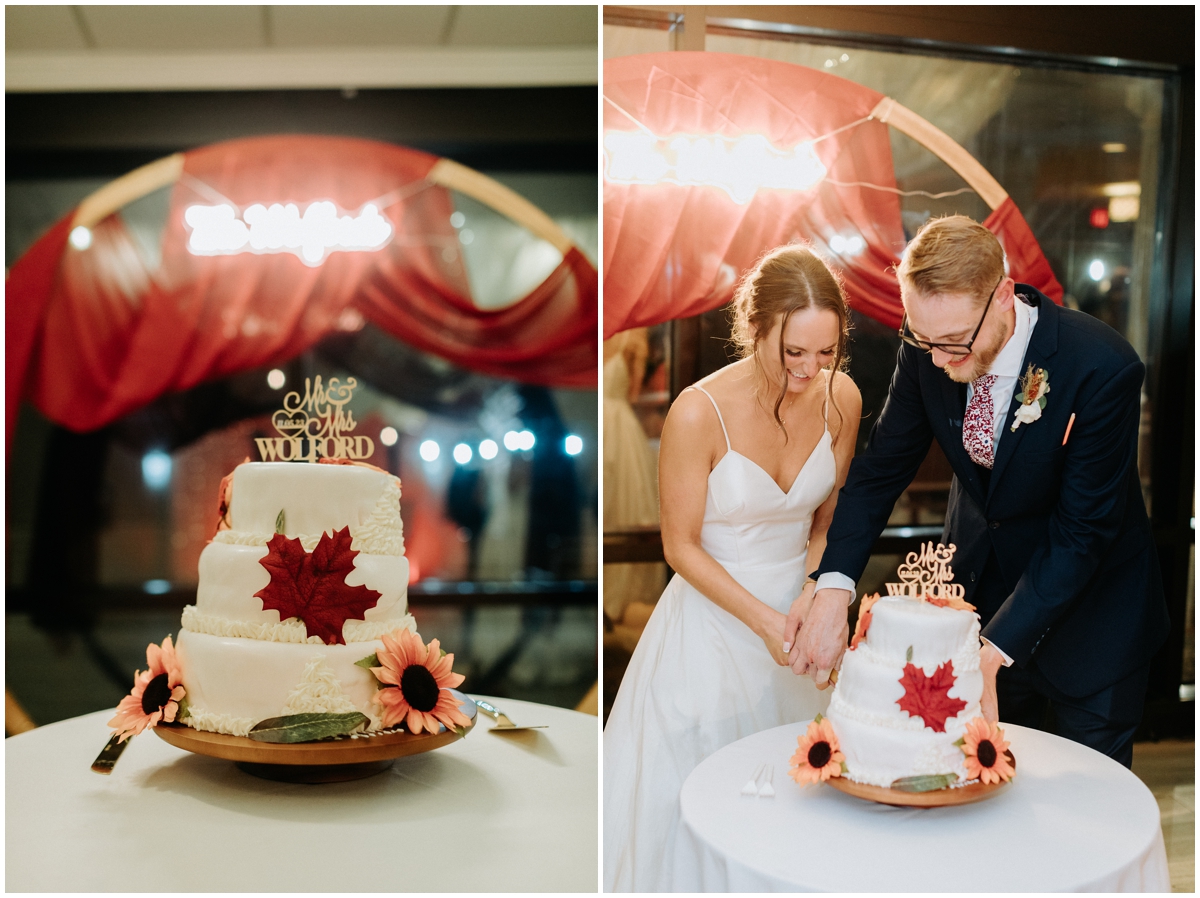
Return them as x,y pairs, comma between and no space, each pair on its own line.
1042,346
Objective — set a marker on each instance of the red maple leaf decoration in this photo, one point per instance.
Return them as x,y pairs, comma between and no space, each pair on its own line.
312,586
927,697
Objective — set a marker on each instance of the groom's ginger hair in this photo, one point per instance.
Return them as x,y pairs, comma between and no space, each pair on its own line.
953,255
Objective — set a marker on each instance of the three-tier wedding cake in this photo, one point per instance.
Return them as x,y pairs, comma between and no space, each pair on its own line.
907,690
244,657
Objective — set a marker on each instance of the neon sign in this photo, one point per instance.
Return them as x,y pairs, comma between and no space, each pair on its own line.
217,230
741,166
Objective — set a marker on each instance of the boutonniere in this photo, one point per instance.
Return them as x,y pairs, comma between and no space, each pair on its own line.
1034,386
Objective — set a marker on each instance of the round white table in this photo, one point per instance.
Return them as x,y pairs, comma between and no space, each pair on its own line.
1071,820
512,812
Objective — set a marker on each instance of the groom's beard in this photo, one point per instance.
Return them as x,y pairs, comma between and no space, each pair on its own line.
981,360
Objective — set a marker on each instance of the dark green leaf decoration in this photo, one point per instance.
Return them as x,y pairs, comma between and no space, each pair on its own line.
908,656
960,741
307,727
372,660
818,718
927,783
279,522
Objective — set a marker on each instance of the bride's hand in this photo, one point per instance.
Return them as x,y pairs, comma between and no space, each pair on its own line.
797,614
770,631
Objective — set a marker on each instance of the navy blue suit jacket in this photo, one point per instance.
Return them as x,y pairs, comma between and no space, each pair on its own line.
1062,528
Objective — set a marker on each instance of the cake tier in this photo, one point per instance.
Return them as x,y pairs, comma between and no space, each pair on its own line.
869,689
316,499
934,634
234,683
231,574
880,755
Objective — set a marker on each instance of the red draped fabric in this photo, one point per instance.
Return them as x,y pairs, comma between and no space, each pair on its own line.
672,250
93,334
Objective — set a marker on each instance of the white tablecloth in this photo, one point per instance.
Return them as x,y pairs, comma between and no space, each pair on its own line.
487,813
1072,820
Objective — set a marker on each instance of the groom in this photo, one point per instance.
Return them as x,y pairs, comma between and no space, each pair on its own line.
1036,407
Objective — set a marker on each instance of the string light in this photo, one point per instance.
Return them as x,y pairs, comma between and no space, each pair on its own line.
81,237
156,469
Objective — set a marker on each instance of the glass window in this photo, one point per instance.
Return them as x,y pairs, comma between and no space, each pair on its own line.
1077,151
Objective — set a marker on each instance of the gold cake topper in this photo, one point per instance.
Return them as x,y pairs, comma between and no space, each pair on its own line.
927,575
316,426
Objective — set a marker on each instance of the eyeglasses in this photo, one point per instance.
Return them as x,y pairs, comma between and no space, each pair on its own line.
954,349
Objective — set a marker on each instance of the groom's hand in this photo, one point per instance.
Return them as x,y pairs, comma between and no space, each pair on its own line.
797,615
990,661
822,638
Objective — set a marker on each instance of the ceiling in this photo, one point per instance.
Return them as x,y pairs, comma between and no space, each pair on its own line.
66,48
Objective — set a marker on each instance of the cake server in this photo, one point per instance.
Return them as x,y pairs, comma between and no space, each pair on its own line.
502,721
107,759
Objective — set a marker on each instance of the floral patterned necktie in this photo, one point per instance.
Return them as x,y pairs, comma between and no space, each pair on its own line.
977,423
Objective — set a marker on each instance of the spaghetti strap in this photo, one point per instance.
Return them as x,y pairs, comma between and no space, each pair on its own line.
825,401
718,411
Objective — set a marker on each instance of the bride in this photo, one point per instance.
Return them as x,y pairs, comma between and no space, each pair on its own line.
751,460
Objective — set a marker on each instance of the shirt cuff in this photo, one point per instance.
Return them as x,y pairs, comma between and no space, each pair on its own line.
834,580
1007,660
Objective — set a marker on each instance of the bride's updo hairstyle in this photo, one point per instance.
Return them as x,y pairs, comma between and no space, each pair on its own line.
788,279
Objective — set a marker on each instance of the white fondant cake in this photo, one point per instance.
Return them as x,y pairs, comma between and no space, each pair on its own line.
883,742
241,663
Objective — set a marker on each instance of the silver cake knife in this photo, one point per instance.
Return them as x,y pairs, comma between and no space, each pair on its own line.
503,724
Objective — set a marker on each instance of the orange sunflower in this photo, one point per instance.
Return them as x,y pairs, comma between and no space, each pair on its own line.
817,756
984,746
156,693
864,620
416,684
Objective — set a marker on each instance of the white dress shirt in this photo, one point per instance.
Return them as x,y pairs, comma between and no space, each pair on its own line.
1007,368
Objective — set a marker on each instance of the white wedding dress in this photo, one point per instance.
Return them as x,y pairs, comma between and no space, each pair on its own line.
700,678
